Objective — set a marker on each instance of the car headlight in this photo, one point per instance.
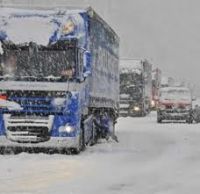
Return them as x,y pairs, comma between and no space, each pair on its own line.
136,108
66,128
153,103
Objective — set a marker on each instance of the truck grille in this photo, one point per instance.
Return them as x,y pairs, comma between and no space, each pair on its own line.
34,104
28,134
37,102
28,129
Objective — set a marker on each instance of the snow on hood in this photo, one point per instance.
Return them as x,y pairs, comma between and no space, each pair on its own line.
10,105
24,26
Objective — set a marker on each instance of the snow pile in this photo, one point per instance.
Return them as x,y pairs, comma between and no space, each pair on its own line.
127,66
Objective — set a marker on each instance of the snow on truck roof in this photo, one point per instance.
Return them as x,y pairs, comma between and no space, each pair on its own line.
133,65
19,25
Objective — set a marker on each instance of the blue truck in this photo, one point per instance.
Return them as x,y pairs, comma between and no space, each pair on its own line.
59,79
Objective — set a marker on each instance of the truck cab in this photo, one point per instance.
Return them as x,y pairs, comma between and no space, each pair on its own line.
135,87
175,103
54,75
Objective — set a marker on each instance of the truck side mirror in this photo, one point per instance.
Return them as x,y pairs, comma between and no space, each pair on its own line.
87,64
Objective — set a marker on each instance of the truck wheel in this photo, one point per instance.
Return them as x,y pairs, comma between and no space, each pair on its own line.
81,145
82,140
8,151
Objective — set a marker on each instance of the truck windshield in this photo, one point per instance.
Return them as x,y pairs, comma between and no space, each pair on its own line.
131,79
39,65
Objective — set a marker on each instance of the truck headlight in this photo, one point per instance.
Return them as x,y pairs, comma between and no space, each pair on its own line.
136,108
66,128
153,103
58,101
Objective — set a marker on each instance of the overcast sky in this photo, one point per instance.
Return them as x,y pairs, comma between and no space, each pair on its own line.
165,31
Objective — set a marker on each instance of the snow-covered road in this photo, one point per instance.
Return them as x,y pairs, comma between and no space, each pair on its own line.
151,158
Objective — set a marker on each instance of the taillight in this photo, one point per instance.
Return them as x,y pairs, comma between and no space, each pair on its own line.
3,97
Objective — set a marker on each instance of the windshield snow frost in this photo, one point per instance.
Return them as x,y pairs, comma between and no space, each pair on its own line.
52,64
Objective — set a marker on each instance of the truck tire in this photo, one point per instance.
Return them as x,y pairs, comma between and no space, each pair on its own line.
81,146
82,140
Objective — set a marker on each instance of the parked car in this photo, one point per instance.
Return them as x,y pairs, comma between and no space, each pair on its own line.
175,103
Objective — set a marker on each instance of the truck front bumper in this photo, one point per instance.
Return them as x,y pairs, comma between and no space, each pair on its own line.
56,143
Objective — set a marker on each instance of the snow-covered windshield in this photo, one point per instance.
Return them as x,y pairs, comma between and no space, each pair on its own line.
131,83
130,78
175,94
56,65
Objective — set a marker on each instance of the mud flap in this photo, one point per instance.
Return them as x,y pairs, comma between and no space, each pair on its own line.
105,128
